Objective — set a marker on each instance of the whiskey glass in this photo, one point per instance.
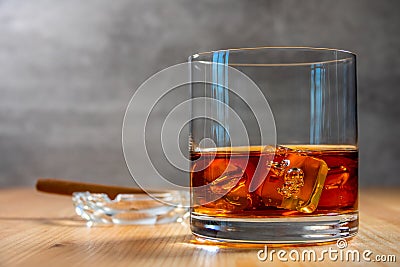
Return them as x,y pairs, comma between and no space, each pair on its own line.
273,145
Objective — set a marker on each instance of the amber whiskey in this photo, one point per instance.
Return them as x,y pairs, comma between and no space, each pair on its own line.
301,180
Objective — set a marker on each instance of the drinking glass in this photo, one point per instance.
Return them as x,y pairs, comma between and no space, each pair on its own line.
273,145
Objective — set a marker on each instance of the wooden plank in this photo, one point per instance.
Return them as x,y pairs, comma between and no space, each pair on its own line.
43,230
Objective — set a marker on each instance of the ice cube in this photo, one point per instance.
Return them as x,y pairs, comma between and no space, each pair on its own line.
295,181
223,177
268,191
232,184
218,177
239,195
339,191
236,199
337,177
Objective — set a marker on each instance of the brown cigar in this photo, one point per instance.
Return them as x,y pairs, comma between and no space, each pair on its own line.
64,187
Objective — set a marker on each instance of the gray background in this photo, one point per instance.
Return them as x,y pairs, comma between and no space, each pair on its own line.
69,68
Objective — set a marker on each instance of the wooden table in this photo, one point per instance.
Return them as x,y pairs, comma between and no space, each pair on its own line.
42,230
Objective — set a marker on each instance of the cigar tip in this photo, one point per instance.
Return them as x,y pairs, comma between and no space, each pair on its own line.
42,182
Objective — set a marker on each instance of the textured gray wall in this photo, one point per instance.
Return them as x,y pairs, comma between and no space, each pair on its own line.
69,68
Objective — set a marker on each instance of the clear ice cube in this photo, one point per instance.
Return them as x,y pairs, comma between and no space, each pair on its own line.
224,177
229,180
338,177
295,181
239,195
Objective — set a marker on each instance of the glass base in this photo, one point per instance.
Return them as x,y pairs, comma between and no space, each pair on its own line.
281,230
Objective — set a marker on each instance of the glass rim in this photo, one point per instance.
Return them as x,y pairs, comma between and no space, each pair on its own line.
350,55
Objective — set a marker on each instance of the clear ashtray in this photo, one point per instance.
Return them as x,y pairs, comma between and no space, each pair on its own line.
142,209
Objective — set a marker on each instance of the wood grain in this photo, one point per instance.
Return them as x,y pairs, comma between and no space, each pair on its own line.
43,230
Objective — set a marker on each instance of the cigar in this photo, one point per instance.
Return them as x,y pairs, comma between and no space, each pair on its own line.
64,187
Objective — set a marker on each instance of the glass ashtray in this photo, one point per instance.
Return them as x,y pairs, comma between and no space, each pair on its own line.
132,209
